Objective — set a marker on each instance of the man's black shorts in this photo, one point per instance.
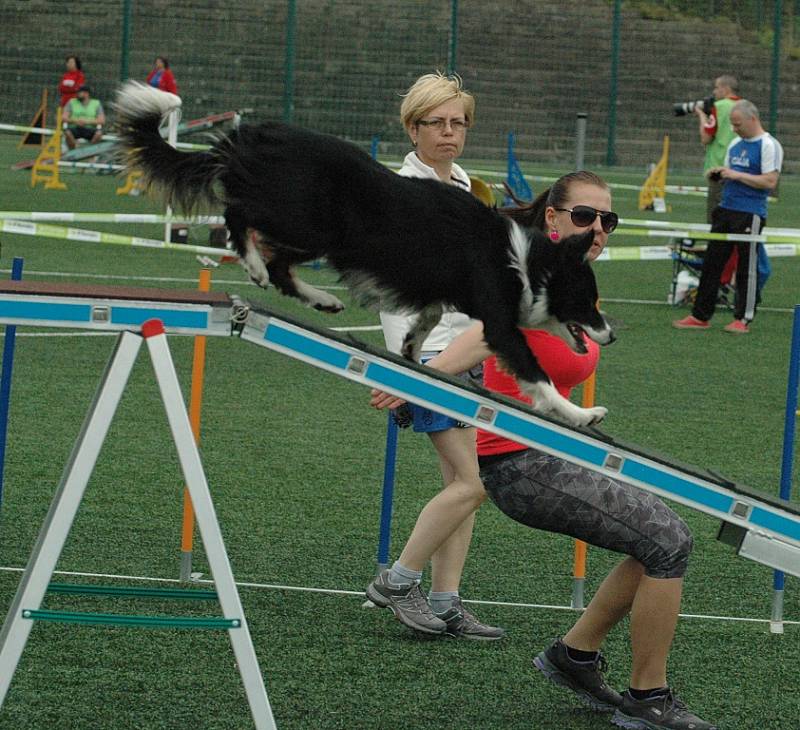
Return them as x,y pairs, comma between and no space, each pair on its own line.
84,132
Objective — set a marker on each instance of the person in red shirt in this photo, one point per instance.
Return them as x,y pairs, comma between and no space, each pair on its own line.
161,77
548,493
71,81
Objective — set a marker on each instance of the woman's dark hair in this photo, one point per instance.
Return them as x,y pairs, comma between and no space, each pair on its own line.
531,215
77,61
163,60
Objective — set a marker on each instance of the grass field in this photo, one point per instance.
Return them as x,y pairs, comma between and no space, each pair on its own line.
294,458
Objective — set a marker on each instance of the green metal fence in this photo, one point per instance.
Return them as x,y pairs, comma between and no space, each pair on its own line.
339,65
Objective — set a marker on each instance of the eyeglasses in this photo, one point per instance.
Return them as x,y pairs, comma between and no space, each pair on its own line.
457,125
583,216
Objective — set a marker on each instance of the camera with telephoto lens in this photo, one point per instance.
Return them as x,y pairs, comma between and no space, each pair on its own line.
688,107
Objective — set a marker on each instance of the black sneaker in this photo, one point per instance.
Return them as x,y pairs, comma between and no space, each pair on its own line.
585,679
461,624
665,711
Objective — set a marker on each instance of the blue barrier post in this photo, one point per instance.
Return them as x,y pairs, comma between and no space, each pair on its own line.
515,179
387,495
509,166
790,422
5,379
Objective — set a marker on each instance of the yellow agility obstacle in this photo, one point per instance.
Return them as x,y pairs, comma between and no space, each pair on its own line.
45,168
654,190
132,185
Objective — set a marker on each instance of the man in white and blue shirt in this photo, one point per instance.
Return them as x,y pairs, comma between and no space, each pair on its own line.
752,168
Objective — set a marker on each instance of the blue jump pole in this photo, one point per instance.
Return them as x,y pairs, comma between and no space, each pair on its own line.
5,378
789,425
387,495
509,164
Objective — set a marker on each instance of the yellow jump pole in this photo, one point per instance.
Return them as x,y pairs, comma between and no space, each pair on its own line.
195,404
579,559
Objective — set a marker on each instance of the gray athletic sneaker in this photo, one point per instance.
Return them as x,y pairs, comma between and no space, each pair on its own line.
408,603
585,679
463,625
667,711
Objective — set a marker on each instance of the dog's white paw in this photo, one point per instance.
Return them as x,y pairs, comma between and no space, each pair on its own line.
326,303
256,270
577,416
546,399
261,281
587,416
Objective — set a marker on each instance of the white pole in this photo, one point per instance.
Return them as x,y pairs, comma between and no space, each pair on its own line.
172,139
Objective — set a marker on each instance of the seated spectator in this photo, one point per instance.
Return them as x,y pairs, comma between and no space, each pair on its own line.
71,81
83,118
161,77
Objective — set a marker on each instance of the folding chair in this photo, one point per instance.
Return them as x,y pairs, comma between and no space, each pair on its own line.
687,263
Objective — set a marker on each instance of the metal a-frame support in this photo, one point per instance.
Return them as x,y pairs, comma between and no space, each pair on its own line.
26,606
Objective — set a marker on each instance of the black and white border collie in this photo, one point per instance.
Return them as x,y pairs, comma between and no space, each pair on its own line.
404,244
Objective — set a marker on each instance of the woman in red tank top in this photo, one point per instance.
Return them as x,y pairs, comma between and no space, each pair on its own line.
548,493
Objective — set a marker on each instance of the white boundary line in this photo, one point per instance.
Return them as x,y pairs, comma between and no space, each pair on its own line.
360,594
63,334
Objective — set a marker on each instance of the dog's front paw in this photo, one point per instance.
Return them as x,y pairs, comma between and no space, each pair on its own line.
263,282
588,416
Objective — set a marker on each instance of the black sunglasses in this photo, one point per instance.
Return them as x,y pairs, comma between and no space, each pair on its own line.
583,216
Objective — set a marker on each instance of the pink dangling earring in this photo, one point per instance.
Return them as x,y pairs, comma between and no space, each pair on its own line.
554,236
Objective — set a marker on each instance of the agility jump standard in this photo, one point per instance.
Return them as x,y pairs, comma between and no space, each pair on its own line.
761,528
141,316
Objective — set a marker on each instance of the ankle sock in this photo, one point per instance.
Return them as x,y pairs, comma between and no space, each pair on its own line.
441,601
400,575
578,655
640,695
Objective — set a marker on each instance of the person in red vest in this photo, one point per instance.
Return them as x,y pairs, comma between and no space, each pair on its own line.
71,81
161,77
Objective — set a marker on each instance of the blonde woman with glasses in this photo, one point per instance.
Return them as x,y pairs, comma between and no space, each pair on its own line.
436,114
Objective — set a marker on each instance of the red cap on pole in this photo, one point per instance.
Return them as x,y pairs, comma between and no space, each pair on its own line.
152,327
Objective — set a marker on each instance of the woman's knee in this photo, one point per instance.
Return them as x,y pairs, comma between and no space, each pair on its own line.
472,490
672,557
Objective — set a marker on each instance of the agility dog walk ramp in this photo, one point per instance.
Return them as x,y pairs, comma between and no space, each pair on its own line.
764,529
761,528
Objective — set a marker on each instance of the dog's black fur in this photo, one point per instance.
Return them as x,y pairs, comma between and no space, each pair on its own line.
408,244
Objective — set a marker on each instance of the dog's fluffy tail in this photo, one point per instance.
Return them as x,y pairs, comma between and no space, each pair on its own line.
186,179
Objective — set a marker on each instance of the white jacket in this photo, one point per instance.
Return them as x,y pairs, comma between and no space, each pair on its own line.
452,324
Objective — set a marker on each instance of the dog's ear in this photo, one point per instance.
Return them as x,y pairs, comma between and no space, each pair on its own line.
577,247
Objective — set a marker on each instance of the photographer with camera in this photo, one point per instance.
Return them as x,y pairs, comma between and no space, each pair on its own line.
750,171
716,132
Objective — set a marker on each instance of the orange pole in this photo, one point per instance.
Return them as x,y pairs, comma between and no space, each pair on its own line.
579,559
195,405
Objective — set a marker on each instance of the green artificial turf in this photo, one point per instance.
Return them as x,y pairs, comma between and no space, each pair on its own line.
294,460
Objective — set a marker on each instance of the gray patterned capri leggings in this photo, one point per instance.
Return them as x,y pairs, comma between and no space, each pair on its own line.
548,493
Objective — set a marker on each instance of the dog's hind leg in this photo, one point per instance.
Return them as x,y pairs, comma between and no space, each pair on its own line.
511,348
423,325
285,281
